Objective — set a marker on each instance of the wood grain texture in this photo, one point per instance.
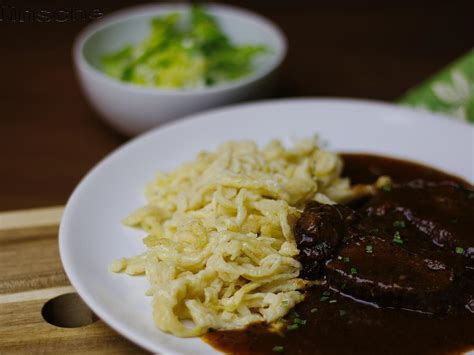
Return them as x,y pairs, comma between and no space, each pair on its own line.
34,222
23,330
30,264
31,276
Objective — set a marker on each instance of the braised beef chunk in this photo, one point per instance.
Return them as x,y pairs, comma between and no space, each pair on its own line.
439,210
380,271
409,247
318,233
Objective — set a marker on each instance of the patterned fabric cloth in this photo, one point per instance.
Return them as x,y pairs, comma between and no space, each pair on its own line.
450,91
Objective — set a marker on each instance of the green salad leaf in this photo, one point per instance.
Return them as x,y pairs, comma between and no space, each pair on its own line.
175,55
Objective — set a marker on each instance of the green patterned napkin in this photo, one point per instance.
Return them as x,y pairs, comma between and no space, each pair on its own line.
450,91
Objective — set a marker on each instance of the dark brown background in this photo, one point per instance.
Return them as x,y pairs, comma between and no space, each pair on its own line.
50,137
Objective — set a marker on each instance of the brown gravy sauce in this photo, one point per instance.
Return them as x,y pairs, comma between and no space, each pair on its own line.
341,325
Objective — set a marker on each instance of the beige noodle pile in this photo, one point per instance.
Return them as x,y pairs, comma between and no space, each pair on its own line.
220,247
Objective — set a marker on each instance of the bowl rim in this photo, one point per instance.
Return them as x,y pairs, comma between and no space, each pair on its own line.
118,16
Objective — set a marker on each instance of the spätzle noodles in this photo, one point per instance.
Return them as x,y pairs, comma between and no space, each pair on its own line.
220,246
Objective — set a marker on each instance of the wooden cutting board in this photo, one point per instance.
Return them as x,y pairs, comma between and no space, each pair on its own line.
40,312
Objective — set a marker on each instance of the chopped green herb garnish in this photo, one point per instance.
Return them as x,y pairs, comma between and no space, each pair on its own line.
397,238
342,312
346,259
459,250
299,321
293,327
293,313
278,349
284,303
333,301
324,298
313,310
460,186
353,271
387,188
399,224
326,293
283,320
339,258
369,249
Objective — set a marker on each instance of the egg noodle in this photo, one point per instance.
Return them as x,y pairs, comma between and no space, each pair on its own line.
220,246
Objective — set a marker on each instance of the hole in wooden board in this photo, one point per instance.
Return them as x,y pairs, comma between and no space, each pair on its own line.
68,311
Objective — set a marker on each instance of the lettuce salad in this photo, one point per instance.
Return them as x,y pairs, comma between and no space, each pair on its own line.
198,54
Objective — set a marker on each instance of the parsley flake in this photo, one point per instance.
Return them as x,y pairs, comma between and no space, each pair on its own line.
293,327
397,238
399,224
294,313
299,321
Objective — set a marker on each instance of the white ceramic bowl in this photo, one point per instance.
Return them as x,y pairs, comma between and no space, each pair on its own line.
132,109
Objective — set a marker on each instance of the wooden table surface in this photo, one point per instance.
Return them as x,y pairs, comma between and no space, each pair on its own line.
50,137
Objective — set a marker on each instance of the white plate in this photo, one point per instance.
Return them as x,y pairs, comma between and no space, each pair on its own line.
91,235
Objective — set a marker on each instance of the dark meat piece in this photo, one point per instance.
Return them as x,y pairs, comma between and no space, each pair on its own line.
420,252
439,210
318,233
379,271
